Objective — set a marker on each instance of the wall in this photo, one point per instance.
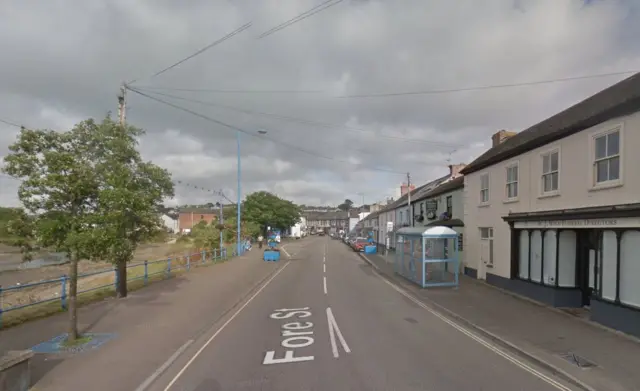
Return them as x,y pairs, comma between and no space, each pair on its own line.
185,219
170,223
575,188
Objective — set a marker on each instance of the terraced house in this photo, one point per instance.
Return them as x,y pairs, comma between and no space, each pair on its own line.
553,212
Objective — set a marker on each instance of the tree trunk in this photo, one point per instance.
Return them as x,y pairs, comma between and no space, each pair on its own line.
72,302
121,270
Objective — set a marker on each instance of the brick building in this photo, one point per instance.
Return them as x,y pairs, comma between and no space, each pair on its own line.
188,217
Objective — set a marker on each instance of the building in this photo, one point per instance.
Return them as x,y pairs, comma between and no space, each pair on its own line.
443,206
553,212
317,221
170,222
188,217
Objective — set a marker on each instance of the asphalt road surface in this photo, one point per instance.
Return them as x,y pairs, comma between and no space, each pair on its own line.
326,321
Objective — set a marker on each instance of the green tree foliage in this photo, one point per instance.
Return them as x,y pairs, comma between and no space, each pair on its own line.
59,193
86,192
346,205
206,235
130,194
266,209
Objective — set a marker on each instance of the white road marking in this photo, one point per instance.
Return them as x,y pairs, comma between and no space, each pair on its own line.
477,338
164,366
324,268
285,251
334,331
235,314
324,284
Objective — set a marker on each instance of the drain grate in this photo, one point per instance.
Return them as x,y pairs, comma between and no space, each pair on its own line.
578,361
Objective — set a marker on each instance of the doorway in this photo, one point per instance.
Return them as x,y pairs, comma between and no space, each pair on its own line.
588,270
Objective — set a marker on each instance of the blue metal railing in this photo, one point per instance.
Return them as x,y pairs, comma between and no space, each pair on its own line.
57,289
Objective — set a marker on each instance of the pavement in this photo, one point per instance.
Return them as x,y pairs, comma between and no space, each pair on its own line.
320,319
532,330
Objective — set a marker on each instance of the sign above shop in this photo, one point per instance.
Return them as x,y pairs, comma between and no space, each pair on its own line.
580,223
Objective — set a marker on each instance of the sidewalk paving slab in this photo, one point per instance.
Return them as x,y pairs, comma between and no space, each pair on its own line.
150,325
534,331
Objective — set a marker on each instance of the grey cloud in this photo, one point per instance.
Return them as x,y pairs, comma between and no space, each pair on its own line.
64,61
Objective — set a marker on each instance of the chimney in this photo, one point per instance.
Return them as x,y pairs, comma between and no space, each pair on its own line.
454,170
500,137
404,189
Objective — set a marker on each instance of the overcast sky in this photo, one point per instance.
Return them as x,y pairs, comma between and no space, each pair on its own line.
64,60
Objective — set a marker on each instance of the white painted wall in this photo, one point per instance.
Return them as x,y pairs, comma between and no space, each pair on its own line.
169,223
576,170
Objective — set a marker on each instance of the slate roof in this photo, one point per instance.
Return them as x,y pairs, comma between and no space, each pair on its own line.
618,100
446,187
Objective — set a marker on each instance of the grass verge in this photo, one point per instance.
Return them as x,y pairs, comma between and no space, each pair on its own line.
156,271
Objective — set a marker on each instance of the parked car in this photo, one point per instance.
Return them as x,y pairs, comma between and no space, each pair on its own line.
321,233
359,244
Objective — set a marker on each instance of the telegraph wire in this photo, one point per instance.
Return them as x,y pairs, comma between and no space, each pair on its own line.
217,91
204,49
10,123
318,8
487,87
294,147
306,121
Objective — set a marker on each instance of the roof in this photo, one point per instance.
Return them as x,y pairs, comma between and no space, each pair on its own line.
432,232
454,184
332,215
202,211
416,193
620,99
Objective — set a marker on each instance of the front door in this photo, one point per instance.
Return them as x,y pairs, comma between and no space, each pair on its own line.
588,268
485,258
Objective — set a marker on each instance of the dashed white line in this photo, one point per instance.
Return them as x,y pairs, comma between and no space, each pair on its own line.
235,314
324,268
334,331
285,251
324,284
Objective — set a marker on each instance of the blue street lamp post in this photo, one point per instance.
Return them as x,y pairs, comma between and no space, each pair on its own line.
238,242
221,227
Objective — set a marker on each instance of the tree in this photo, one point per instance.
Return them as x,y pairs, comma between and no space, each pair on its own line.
59,192
206,235
266,209
130,194
346,205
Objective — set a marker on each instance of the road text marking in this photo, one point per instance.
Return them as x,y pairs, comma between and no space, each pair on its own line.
225,324
298,335
324,284
478,339
334,331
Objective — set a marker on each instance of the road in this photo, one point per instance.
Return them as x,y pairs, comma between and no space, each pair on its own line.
327,321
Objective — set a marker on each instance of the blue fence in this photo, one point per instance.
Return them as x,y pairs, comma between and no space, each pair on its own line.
21,296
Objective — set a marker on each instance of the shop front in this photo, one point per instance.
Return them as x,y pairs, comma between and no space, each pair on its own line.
586,257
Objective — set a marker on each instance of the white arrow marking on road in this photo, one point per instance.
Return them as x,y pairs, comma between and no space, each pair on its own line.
334,331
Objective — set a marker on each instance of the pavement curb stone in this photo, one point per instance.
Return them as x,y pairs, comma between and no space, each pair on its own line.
514,348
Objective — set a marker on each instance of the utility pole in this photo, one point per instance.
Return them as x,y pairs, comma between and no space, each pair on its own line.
122,104
409,199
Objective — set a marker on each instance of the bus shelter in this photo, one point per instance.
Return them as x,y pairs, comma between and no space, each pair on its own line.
428,256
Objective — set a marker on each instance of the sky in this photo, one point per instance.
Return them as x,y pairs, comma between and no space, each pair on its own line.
64,61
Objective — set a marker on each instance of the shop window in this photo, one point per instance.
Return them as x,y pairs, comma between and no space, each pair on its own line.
536,256
630,268
608,260
567,258
523,262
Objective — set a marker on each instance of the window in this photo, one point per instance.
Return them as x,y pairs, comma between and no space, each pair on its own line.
547,257
606,165
484,188
401,219
421,208
550,172
512,182
486,236
450,206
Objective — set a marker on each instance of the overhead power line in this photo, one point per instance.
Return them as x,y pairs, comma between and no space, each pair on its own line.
204,49
10,123
487,87
307,122
318,8
252,134
217,91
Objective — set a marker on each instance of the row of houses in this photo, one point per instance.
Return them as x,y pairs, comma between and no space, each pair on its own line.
184,219
551,213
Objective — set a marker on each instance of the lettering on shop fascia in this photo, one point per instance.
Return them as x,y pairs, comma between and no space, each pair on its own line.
581,223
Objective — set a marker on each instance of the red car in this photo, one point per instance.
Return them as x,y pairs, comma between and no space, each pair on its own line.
358,244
